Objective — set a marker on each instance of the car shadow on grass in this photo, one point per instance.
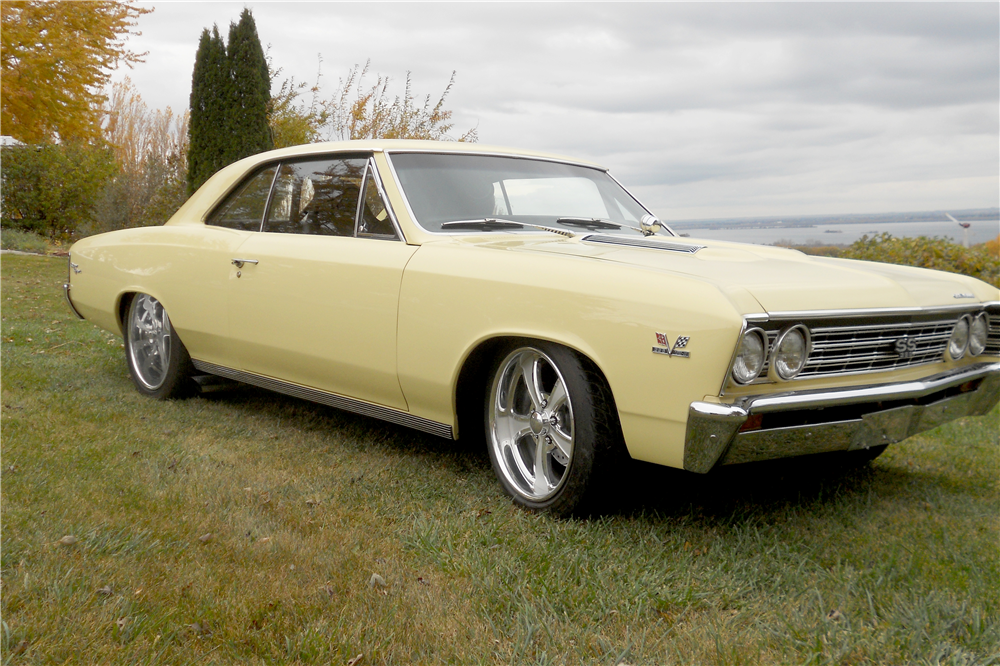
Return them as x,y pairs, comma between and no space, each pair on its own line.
646,490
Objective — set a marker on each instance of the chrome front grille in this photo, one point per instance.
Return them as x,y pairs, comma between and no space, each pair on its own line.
993,340
859,342
838,350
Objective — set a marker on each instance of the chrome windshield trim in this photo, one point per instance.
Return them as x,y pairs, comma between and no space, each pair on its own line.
875,392
642,205
485,153
373,170
331,399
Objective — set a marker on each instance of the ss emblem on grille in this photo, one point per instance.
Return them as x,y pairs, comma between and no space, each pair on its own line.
905,347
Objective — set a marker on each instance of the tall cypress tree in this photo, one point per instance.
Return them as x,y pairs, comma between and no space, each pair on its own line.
250,91
211,99
230,91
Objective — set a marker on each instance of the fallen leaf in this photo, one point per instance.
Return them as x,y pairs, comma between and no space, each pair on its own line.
121,622
201,629
834,615
264,539
205,538
422,580
67,540
312,502
356,660
328,589
106,590
377,581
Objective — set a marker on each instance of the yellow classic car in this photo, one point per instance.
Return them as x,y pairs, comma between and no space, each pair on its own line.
530,303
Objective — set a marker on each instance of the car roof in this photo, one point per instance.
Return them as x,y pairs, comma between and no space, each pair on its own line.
408,145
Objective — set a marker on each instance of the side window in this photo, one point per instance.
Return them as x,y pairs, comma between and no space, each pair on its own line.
374,221
243,209
317,196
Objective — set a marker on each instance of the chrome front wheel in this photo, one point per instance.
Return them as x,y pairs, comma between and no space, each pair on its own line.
550,423
531,424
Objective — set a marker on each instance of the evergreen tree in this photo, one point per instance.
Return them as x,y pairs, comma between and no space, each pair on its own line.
250,90
210,110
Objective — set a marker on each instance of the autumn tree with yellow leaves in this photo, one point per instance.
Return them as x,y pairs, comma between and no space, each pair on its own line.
57,58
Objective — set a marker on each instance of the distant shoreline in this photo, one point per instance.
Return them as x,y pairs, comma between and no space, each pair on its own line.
972,215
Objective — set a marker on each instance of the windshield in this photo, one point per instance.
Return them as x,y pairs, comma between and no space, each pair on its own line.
444,188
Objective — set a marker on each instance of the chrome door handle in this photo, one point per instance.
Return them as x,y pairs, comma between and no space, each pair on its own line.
239,262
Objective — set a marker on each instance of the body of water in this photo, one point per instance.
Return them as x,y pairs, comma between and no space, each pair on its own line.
845,234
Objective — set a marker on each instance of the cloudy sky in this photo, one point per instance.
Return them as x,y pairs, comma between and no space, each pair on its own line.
703,110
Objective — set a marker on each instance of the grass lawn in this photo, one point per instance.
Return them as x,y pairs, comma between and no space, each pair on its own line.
249,527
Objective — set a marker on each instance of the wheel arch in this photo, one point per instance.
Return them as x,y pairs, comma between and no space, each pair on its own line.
469,390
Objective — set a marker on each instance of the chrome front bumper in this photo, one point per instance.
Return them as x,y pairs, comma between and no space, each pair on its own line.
802,422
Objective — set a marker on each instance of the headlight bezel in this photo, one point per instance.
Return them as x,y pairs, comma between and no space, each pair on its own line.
951,350
975,348
774,371
761,335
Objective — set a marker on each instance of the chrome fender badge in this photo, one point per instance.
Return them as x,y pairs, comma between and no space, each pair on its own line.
667,350
964,295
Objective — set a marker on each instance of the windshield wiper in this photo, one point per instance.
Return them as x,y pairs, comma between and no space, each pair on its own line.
493,224
484,224
648,226
591,223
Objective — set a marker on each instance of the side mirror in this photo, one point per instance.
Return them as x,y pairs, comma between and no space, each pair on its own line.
649,225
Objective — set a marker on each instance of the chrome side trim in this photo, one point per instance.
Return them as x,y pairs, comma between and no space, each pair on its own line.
66,288
643,242
330,399
714,437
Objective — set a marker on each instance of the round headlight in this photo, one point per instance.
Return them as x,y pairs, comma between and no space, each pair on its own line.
978,332
791,351
750,357
959,341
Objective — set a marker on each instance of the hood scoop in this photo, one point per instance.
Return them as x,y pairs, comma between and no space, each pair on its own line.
643,242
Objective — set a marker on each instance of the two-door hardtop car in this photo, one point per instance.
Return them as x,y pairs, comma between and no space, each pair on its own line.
468,291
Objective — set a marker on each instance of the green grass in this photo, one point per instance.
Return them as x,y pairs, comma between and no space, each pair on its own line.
790,563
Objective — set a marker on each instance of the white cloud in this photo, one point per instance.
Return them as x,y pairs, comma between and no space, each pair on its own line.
703,110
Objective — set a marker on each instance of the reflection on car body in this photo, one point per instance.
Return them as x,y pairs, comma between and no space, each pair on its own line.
532,301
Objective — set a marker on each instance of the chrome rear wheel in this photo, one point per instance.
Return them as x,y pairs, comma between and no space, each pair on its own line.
157,360
149,341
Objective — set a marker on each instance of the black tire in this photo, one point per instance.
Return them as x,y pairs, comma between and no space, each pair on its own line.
157,360
572,435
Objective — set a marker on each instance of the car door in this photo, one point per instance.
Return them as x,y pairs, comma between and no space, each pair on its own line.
315,299
201,272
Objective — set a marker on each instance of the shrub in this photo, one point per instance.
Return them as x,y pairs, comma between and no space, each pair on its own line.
937,253
52,189
22,241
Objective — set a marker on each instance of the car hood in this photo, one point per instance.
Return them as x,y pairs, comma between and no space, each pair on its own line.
780,280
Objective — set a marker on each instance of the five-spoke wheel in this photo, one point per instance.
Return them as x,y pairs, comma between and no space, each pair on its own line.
157,360
544,419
